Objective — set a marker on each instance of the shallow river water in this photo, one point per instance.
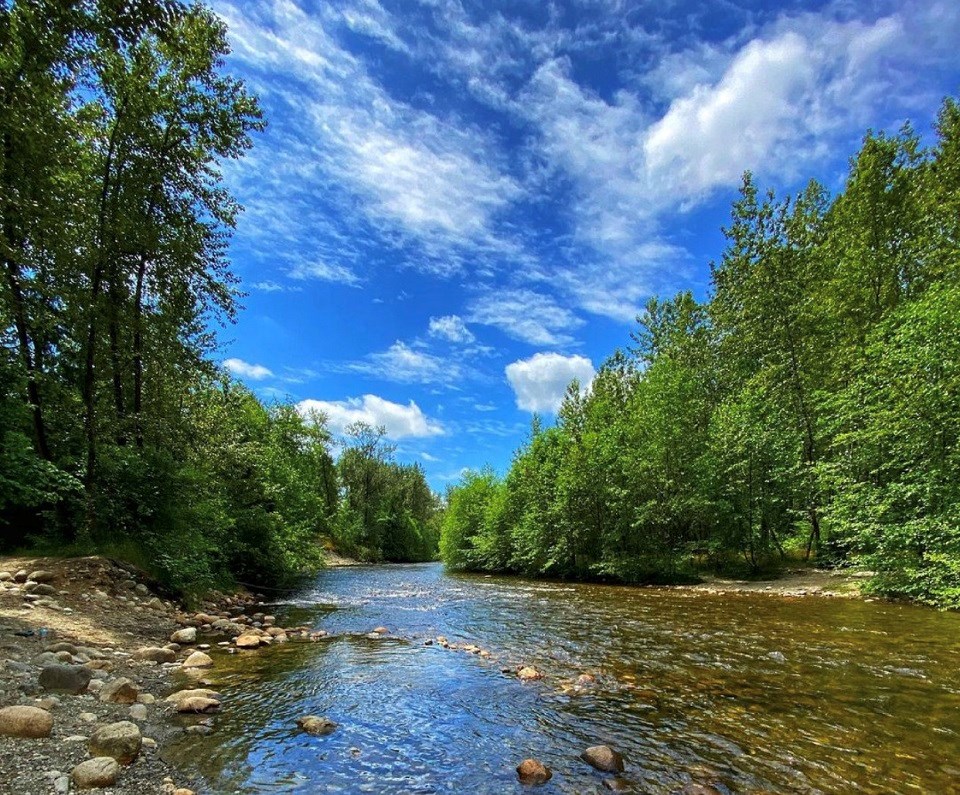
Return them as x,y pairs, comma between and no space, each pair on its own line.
745,692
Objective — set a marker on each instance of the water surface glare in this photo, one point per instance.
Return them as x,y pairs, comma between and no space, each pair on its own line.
746,692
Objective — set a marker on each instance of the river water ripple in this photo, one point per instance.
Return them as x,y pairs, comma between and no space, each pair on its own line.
745,692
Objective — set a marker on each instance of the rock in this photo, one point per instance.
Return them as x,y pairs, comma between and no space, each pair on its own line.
49,703
155,654
42,589
198,660
63,646
777,656
65,678
25,722
6,576
529,674
532,771
138,712
381,631
119,691
185,636
21,576
41,575
88,717
312,724
120,740
156,604
248,641
146,698
197,692
95,686
96,773
61,785
585,680
198,704
617,784
604,758
183,791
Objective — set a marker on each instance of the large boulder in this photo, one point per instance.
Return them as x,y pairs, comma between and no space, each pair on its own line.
96,773
184,636
532,771
313,724
65,678
41,575
155,654
198,660
119,691
197,704
39,589
248,641
604,758
25,722
120,740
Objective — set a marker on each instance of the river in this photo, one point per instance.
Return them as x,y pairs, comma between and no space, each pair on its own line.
745,692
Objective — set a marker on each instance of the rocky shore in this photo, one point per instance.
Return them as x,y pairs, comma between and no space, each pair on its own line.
98,671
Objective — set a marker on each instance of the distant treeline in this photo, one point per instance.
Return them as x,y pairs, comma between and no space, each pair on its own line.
117,433
811,406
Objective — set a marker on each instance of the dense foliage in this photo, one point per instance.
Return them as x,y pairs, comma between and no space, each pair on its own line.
812,403
116,431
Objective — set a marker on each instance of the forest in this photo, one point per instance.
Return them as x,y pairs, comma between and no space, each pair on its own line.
119,433
808,408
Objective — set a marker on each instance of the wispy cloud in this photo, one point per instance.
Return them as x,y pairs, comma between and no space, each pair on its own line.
404,364
450,328
525,315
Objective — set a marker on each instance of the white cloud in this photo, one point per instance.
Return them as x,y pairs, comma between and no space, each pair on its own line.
450,328
242,369
541,381
401,421
306,268
526,315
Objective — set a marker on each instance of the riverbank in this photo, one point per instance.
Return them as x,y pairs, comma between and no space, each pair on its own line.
791,584
91,654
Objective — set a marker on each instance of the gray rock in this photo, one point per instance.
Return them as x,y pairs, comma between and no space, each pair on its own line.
41,575
21,576
96,773
120,740
141,589
604,758
138,712
25,722
185,636
65,678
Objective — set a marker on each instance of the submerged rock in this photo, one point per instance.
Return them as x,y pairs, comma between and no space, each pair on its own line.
604,758
533,771
529,674
313,724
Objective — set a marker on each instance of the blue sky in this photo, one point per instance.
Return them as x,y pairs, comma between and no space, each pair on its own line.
460,206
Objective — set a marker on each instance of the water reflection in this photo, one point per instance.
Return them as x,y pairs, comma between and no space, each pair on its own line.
750,693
